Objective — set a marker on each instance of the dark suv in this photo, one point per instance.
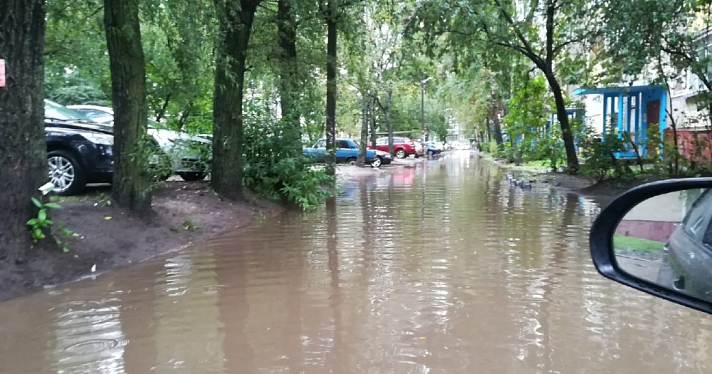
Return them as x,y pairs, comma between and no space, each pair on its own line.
79,151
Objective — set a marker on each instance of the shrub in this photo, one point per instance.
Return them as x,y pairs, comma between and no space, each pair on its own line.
599,152
276,168
493,149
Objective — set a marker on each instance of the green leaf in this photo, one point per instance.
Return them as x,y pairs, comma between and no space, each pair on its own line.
32,222
36,202
42,215
53,206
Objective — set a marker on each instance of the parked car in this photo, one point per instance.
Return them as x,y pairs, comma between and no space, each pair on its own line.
688,256
402,147
79,151
187,154
347,151
432,148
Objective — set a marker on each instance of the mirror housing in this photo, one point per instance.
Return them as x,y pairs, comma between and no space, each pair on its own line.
604,227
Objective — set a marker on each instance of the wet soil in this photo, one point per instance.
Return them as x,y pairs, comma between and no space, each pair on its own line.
603,192
106,237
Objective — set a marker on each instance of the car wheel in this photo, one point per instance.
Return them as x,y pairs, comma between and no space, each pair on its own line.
192,177
351,160
65,173
377,162
400,153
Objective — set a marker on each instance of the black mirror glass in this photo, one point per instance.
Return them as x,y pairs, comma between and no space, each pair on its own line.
667,240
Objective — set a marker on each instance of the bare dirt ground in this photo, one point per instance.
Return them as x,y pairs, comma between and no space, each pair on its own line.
107,237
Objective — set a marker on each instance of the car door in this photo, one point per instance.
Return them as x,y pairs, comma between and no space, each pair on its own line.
690,248
343,150
319,152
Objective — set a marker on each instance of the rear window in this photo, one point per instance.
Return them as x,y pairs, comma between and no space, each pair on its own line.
697,222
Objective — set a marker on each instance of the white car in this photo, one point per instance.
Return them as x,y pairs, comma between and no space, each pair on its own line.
181,148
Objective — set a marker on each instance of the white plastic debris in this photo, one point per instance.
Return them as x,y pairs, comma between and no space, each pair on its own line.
46,188
93,269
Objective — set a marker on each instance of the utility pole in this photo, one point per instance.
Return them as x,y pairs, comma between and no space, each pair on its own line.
422,106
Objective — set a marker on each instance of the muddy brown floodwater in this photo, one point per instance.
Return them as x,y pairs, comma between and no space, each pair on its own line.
439,268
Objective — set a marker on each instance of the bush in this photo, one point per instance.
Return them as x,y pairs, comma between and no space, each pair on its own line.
599,153
493,149
277,169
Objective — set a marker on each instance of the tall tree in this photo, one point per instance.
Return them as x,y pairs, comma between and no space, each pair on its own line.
131,180
235,19
331,15
23,160
548,33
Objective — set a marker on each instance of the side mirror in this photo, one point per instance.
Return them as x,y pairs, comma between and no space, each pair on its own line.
657,238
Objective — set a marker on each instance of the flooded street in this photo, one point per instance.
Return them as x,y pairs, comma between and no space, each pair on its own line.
439,268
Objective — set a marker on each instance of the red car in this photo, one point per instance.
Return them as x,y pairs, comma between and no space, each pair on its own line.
402,147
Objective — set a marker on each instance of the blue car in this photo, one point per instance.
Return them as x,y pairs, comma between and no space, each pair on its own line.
347,151
432,149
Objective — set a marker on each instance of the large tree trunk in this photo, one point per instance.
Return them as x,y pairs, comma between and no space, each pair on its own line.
23,151
131,180
288,87
235,27
365,99
563,117
331,87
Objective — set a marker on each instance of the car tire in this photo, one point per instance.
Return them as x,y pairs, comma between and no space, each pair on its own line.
400,153
192,176
65,173
377,162
351,160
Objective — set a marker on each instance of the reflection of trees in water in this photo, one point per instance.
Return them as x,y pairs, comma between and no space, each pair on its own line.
335,298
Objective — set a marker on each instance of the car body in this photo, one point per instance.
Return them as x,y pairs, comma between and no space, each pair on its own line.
79,151
688,251
187,154
402,147
432,148
347,151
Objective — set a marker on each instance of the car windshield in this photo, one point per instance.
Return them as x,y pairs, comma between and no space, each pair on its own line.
60,112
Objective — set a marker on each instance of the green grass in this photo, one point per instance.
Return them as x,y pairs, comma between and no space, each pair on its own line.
636,244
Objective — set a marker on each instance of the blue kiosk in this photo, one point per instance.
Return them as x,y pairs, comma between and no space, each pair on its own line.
631,109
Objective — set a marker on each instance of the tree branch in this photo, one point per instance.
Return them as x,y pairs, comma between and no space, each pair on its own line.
511,22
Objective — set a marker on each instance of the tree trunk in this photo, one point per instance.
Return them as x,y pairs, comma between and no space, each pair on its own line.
563,117
495,120
235,26
489,131
372,121
361,161
331,88
288,87
23,164
131,181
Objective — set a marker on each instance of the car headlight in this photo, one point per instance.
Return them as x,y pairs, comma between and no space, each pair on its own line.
98,138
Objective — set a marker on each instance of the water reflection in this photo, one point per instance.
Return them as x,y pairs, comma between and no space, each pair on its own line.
444,267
